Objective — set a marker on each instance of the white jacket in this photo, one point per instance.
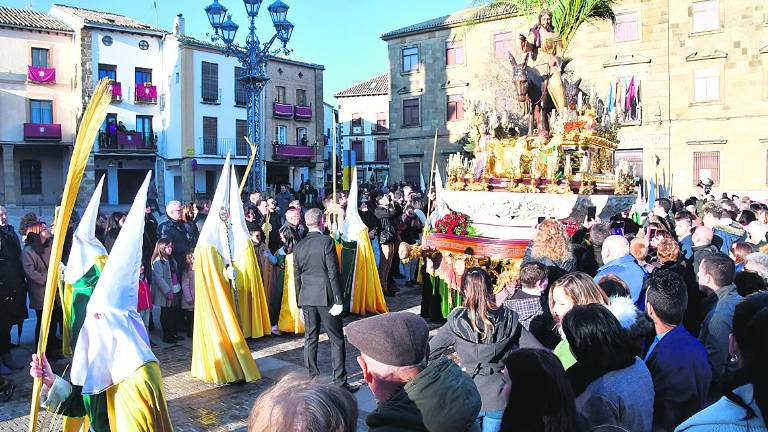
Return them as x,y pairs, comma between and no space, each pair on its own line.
726,416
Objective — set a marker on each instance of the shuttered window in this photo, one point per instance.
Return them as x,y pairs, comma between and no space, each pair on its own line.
210,78
455,108
241,131
241,98
210,135
381,151
357,147
706,165
412,172
411,112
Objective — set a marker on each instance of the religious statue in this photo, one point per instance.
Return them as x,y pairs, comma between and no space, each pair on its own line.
544,47
481,153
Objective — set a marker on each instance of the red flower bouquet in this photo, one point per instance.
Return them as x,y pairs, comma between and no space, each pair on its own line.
454,223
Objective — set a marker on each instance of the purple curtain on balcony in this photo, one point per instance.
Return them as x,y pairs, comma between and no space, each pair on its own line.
42,131
294,151
130,139
117,90
303,112
41,74
284,110
146,92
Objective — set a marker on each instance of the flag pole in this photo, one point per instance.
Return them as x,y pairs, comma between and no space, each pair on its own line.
334,218
250,164
431,180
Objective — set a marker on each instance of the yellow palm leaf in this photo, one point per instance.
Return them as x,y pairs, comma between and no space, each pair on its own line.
89,126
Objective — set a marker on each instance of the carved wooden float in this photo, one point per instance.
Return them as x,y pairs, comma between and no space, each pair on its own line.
478,246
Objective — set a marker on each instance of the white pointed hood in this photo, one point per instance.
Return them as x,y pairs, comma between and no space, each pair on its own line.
215,232
85,246
353,224
113,342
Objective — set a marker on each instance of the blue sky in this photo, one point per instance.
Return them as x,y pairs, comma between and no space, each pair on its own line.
342,35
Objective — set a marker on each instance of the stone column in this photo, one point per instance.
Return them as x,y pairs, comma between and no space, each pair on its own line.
9,176
187,180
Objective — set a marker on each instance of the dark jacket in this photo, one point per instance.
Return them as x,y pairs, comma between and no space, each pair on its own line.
693,313
715,330
681,377
556,268
316,271
699,252
729,235
13,286
441,398
273,242
182,237
483,358
385,215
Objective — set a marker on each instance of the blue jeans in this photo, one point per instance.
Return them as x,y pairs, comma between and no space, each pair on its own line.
490,420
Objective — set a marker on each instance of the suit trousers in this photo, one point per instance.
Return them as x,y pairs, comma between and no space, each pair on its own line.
387,256
313,316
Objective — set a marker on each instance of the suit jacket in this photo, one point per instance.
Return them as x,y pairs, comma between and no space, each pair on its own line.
316,271
681,377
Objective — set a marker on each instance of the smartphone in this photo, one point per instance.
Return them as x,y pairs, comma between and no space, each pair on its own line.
617,228
591,213
541,219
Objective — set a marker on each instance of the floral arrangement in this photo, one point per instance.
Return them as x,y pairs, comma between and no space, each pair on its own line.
454,223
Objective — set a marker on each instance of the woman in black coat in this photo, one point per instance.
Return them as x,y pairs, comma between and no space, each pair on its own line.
483,336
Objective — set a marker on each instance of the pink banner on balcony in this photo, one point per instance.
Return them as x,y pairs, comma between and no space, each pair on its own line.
144,92
303,112
283,110
129,139
294,151
117,90
42,131
41,74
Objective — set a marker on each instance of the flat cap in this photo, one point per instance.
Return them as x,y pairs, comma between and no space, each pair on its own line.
394,339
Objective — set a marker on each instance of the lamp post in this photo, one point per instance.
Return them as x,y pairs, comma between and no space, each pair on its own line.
253,56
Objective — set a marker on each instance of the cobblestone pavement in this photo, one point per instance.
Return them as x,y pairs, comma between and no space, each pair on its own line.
198,406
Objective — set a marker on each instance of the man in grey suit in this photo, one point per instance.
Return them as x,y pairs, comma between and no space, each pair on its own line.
319,295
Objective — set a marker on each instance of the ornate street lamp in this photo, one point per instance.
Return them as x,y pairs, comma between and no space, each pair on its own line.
253,56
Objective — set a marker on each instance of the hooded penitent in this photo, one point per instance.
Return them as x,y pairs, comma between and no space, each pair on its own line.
367,296
223,318
86,261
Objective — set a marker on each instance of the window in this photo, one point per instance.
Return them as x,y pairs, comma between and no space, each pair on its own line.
706,85
356,124
109,120
412,172
107,40
241,131
301,97
455,108
281,134
143,45
301,136
381,122
280,94
144,127
241,97
706,165
210,79
31,177
706,16
107,71
626,27
210,135
410,112
454,53
411,59
504,43
381,151
40,111
357,147
40,57
143,76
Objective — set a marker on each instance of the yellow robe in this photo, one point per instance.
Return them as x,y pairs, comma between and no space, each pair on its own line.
219,352
367,294
289,320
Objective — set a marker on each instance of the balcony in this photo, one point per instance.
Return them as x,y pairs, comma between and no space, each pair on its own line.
117,91
41,75
219,147
42,132
145,94
379,130
292,151
301,112
210,95
282,110
127,141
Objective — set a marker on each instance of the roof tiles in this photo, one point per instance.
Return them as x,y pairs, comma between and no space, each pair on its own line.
465,16
93,17
30,19
375,86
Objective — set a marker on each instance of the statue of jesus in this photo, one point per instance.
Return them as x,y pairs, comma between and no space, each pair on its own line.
546,50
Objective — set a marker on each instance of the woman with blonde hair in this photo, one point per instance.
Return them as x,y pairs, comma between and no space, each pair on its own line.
296,404
573,289
551,247
482,335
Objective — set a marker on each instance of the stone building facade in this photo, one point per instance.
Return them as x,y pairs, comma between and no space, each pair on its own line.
700,68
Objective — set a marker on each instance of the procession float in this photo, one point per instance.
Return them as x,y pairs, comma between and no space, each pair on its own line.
505,183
